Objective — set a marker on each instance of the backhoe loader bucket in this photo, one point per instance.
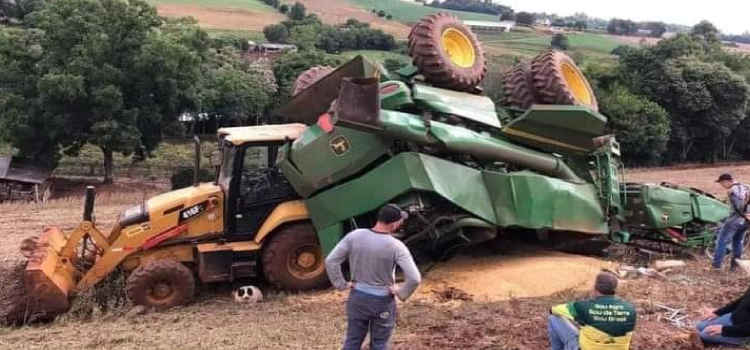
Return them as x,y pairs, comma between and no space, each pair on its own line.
54,267
49,278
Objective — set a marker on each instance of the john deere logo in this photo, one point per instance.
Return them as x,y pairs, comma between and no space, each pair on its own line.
340,145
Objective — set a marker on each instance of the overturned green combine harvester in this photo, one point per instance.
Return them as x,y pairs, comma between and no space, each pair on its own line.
424,137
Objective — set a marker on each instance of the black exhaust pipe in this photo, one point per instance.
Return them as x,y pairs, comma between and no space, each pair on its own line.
88,206
197,169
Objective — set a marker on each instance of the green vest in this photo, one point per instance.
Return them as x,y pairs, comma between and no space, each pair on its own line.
607,322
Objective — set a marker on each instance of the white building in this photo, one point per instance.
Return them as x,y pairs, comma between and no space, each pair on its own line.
502,26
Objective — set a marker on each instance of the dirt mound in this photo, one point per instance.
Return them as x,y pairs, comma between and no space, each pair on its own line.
529,272
14,305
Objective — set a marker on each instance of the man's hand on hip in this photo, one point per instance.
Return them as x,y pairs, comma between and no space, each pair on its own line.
394,290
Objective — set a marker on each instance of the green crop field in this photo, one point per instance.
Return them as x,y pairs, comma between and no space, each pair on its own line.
245,34
527,45
406,12
253,5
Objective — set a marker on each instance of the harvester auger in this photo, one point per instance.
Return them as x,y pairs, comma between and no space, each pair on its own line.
424,137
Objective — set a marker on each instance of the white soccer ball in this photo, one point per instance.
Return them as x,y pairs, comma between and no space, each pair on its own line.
247,295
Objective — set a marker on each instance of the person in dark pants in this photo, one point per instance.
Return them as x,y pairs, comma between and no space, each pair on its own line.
729,325
735,225
373,255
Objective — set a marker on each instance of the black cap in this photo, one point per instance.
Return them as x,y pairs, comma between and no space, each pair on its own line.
391,213
725,177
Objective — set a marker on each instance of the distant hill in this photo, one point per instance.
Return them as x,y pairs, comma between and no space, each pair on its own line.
253,15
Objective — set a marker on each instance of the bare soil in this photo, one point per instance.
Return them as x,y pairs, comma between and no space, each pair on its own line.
702,177
494,298
330,11
338,11
222,18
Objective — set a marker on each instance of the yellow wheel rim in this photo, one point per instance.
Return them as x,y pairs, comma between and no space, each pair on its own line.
459,48
576,83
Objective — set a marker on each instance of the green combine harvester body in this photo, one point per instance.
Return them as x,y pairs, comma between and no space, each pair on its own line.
444,156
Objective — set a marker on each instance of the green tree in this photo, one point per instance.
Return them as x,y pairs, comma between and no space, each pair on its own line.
305,37
708,35
284,8
622,27
15,11
641,126
288,67
276,33
297,12
707,101
560,41
507,16
657,28
580,25
109,73
525,18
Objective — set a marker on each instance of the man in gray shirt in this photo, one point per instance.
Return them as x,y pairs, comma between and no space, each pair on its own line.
373,255
735,225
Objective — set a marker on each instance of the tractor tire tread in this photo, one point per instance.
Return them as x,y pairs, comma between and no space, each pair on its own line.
138,281
518,87
425,48
549,83
275,263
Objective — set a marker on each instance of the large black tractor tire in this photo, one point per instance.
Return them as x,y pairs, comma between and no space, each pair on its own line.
518,87
557,80
310,77
447,53
293,259
161,284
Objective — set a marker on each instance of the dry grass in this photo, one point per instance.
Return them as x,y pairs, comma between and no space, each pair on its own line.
433,319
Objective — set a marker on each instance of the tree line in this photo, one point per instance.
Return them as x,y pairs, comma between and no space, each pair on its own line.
479,6
308,32
627,27
681,100
114,74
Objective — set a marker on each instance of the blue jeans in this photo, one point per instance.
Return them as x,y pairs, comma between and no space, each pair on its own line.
366,312
734,230
563,335
725,320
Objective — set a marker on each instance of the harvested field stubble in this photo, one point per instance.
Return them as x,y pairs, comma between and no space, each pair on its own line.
444,314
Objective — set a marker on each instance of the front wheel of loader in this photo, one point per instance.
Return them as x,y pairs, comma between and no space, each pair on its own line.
557,80
447,53
161,284
293,259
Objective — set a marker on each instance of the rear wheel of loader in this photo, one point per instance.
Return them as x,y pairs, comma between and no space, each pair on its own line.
309,77
557,80
161,284
293,259
447,53
518,87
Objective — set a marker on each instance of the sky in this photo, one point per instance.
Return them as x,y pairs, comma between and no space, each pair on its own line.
730,16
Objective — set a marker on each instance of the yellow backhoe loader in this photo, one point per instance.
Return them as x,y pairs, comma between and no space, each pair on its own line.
215,232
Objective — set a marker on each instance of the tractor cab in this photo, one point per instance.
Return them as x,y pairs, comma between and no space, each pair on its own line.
248,175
